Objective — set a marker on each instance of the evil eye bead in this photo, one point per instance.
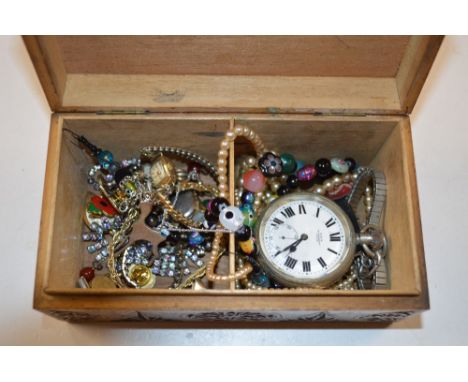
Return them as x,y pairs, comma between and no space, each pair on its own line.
270,164
105,158
323,167
306,173
216,205
254,181
249,215
289,163
339,165
231,218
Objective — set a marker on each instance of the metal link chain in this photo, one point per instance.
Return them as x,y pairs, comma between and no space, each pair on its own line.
371,266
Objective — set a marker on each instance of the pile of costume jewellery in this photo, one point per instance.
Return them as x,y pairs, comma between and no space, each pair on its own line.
296,224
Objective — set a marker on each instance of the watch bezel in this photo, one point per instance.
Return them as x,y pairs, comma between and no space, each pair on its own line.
336,272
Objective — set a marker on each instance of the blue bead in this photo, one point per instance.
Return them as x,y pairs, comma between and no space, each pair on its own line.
247,197
105,158
299,164
261,279
195,239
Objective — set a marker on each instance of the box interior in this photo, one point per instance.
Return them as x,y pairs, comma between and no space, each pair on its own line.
375,141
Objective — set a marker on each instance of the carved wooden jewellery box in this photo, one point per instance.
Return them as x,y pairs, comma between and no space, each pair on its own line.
313,96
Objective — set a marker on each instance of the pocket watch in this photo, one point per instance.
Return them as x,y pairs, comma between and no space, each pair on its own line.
307,240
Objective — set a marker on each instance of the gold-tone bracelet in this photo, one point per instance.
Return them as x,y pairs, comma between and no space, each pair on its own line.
223,155
176,215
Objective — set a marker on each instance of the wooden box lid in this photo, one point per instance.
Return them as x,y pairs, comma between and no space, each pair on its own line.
313,74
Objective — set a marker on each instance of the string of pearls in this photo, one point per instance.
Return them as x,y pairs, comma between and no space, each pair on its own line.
222,170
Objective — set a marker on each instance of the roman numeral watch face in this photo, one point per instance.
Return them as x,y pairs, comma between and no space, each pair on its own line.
305,240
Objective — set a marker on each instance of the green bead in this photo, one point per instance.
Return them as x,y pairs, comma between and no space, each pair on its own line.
250,218
289,163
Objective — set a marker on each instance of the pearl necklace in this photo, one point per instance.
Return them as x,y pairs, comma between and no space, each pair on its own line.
223,155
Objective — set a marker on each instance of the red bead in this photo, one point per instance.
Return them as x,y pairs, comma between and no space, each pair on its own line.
87,273
254,181
340,192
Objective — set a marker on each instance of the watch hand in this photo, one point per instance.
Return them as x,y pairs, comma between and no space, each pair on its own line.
292,247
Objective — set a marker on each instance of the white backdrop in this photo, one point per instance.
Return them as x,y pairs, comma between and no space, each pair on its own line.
440,135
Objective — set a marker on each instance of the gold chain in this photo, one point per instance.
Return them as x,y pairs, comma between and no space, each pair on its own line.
176,215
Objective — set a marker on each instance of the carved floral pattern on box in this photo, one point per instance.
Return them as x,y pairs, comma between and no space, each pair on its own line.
231,316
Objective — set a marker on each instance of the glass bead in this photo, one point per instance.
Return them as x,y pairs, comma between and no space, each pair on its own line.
231,218
154,219
195,238
323,167
292,181
250,217
270,164
340,192
260,279
165,232
289,163
244,233
216,205
247,197
254,181
300,164
247,247
283,190
87,273
91,248
306,173
351,163
113,168
339,165
105,158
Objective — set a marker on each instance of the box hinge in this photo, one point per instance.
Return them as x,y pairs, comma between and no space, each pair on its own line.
339,114
122,112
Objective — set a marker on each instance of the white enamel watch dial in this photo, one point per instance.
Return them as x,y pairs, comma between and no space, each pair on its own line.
305,239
